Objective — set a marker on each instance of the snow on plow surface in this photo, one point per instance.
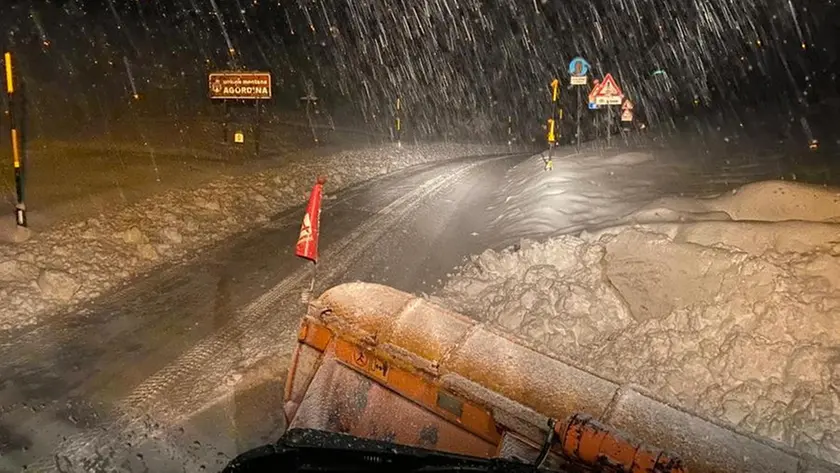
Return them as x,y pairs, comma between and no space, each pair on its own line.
737,319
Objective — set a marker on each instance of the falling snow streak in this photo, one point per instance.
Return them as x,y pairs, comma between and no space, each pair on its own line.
478,49
448,59
228,42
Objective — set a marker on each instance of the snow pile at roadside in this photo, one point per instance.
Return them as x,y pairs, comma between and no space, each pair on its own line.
582,190
770,201
78,261
736,320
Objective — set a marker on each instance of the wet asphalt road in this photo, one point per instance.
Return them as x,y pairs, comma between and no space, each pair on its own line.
110,388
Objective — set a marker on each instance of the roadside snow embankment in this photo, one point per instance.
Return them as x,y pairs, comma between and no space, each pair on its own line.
582,190
769,201
76,262
736,319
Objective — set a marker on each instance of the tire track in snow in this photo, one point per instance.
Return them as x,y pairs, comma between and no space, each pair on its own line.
164,395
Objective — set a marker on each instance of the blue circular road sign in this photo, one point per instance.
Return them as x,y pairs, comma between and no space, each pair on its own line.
578,67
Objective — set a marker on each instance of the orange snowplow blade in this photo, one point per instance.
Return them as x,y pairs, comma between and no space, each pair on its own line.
382,364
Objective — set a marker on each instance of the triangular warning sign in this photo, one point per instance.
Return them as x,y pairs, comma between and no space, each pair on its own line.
608,93
627,105
609,88
594,92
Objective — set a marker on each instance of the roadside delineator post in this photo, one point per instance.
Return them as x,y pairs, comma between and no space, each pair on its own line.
510,133
307,243
16,142
398,122
552,122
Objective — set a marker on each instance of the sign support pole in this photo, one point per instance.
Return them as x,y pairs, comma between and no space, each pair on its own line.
609,127
579,70
257,129
596,126
579,110
225,116
17,139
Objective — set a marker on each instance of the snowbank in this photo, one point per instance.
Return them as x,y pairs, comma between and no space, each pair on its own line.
771,201
582,190
78,261
737,320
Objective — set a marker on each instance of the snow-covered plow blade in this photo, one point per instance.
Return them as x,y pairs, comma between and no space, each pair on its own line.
379,363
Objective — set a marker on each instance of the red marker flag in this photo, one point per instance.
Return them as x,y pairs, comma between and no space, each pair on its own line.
307,244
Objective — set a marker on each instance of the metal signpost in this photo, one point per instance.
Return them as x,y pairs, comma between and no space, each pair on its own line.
311,103
240,86
607,93
596,83
578,70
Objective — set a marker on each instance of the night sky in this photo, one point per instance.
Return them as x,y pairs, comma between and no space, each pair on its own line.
455,63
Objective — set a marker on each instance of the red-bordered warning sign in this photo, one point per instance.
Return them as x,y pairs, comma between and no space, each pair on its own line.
607,92
596,84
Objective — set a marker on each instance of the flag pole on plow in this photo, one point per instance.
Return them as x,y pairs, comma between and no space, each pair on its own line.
307,243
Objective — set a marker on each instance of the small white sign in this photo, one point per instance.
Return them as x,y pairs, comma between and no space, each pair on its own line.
608,100
627,116
579,80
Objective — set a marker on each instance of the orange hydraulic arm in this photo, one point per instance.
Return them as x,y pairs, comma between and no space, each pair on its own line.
594,444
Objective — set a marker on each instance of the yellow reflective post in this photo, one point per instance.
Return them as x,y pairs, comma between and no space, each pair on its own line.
398,121
10,85
10,90
551,137
15,149
555,97
20,208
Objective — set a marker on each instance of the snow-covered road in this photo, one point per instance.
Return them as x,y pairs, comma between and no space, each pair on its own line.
70,263
182,337
184,366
